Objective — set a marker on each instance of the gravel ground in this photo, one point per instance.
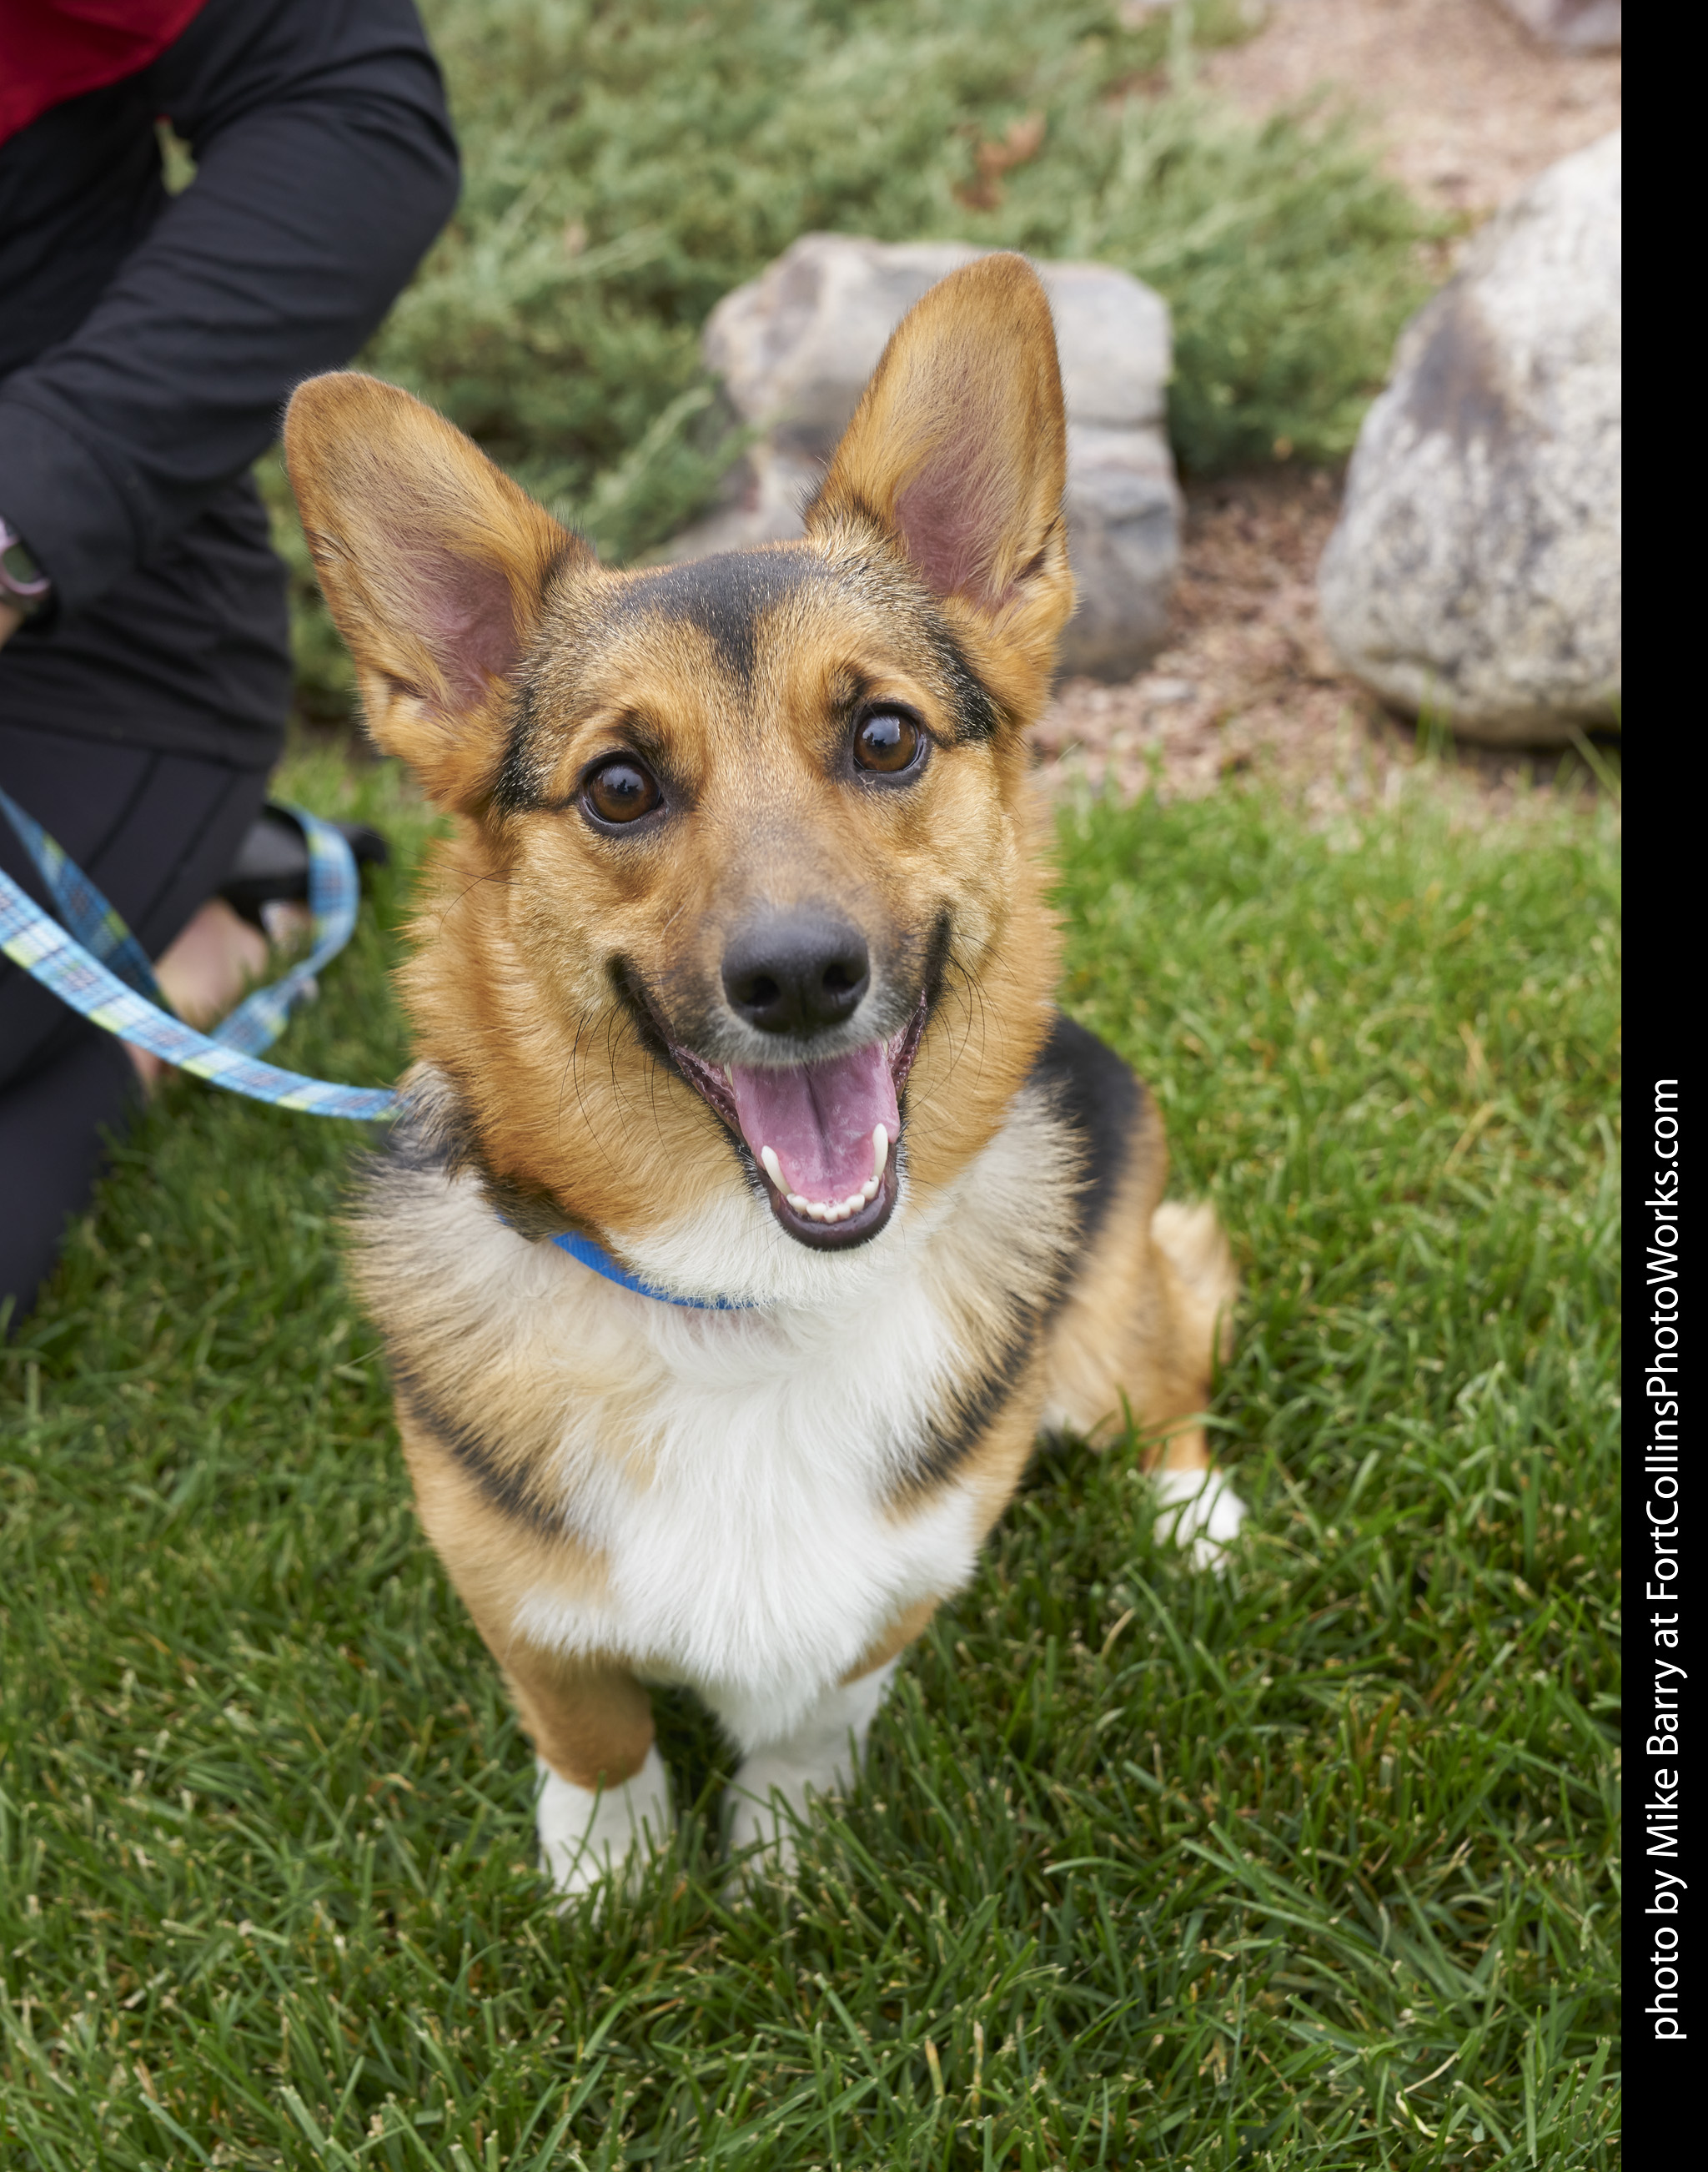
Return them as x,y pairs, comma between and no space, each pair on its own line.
1249,683
1470,108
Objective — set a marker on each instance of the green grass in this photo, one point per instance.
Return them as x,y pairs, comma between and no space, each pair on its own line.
627,165
1311,1868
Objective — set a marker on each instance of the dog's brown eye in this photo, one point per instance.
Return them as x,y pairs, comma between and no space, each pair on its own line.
887,741
621,791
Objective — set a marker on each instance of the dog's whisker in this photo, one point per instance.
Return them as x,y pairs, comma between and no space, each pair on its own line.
572,1071
493,875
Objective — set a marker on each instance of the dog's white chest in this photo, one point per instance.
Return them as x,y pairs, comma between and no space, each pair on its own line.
750,1548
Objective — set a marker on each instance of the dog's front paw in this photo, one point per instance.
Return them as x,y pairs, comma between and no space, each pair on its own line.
1200,1511
772,1789
768,1797
587,1836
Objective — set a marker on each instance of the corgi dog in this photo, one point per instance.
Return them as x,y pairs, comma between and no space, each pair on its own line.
753,1207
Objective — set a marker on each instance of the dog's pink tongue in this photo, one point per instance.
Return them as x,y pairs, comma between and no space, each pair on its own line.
818,1119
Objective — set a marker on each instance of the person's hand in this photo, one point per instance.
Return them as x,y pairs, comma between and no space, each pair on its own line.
203,973
10,620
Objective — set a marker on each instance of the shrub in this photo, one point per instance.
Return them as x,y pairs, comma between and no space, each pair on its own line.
627,165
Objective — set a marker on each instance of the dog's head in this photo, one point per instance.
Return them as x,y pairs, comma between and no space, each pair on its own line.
747,836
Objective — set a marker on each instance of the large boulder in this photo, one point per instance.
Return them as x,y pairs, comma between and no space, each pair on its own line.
795,346
1475,568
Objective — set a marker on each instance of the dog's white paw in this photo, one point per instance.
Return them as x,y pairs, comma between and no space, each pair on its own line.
768,1794
773,1787
1200,1511
586,1837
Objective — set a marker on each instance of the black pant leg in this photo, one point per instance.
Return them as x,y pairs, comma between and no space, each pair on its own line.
54,1126
157,833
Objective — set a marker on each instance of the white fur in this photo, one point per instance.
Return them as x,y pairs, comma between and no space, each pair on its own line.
586,1836
823,1755
1202,1512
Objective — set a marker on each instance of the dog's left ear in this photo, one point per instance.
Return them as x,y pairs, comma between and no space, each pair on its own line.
959,450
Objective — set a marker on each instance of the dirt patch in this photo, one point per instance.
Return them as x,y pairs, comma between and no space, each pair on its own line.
1470,106
1249,683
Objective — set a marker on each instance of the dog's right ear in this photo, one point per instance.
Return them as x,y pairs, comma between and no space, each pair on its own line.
434,564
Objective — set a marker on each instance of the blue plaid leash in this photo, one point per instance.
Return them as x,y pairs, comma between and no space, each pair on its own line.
94,964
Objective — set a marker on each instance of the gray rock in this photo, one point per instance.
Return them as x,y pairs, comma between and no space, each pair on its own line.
1576,26
795,347
1475,568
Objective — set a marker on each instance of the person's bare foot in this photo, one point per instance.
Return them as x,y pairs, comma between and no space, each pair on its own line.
203,973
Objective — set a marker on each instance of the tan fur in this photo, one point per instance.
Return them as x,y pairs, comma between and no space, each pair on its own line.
895,1639
500,660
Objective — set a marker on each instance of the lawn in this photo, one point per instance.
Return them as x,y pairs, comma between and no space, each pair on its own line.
1309,1865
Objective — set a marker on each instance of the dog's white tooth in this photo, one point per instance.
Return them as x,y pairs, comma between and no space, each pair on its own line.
853,1203
880,1151
799,1202
773,1167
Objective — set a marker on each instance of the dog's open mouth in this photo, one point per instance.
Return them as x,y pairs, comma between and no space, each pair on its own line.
823,1135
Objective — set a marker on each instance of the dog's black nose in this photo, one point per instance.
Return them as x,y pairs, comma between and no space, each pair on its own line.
796,973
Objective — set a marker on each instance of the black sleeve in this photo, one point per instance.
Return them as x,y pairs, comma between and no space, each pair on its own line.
325,167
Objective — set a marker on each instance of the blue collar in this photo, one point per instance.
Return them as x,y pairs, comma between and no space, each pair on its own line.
596,1256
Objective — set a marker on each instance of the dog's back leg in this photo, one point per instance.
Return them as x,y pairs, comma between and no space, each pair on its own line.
1150,1305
